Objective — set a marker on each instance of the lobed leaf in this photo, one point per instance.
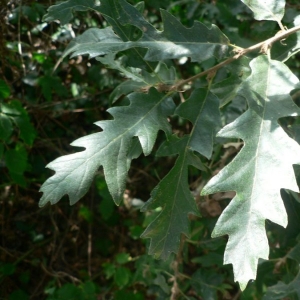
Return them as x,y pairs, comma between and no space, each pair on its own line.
199,42
177,202
143,118
64,11
272,10
260,170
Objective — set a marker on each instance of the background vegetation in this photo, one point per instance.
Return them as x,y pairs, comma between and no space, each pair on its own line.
93,250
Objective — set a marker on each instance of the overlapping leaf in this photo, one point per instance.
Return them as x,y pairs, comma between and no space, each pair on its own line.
162,77
64,11
272,10
143,118
173,193
199,42
226,89
260,170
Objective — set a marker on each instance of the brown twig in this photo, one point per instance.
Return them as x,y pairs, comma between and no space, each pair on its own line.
239,53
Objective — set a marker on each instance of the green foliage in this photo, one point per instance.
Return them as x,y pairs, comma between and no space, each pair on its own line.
14,125
256,174
110,148
204,115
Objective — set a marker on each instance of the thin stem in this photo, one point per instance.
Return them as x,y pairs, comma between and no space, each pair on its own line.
239,53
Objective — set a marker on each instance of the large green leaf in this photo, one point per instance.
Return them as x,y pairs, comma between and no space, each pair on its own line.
165,231
266,9
64,11
143,118
199,42
260,170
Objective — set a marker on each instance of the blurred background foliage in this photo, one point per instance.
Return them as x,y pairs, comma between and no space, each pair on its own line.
93,249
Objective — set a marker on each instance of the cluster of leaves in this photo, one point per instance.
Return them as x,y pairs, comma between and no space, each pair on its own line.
16,132
173,85
262,168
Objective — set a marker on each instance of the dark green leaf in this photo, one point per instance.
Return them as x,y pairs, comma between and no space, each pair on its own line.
122,276
21,118
16,159
199,42
177,203
6,127
64,11
294,253
282,290
18,295
4,90
69,291
206,284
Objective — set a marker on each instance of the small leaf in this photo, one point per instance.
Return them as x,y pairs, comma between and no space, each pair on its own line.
122,258
19,116
6,127
16,162
4,90
125,88
272,10
162,76
144,117
132,73
122,276
260,170
21,119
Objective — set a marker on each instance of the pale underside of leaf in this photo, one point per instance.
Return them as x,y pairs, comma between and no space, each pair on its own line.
272,10
260,170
